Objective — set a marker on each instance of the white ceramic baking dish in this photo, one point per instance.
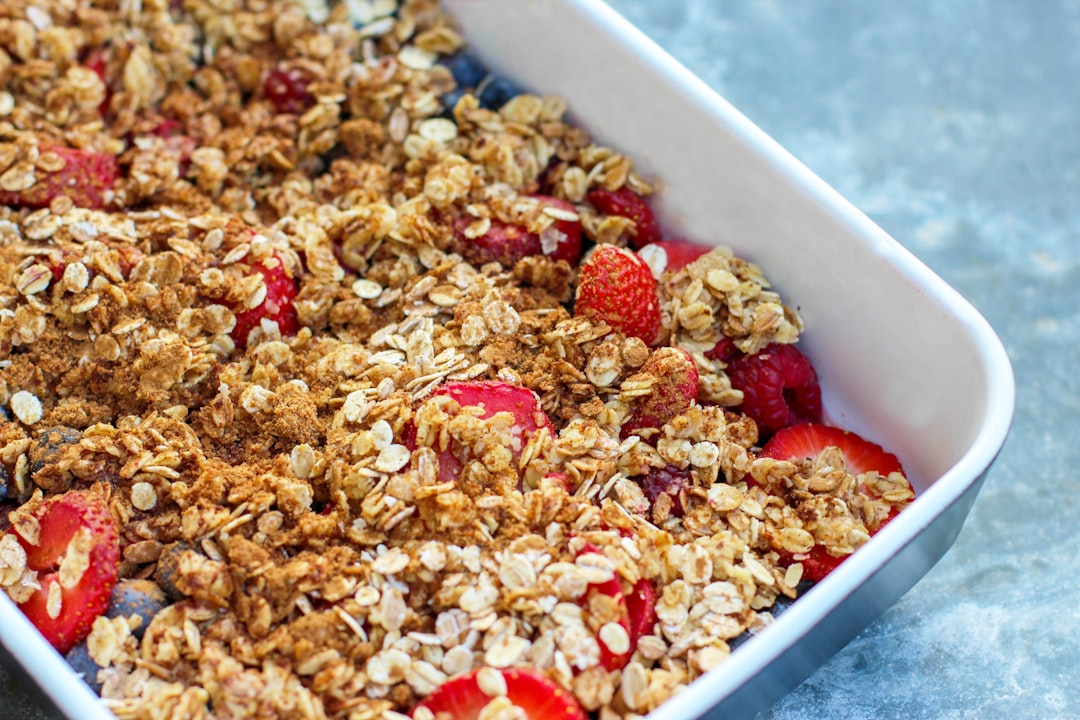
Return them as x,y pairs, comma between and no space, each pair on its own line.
903,358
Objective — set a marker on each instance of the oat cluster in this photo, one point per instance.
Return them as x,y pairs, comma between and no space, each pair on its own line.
318,567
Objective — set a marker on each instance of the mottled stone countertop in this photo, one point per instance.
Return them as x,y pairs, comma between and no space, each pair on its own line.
956,126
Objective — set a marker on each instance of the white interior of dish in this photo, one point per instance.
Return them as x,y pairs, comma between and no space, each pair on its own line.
902,357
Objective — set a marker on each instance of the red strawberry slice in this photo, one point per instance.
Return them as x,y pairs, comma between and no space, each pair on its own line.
287,89
679,253
816,565
626,203
95,61
638,617
277,306
73,525
493,397
779,385
641,610
808,440
675,390
462,699
860,455
613,589
86,177
616,287
505,243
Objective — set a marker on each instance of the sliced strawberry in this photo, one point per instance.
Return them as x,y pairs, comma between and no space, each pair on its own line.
802,442
287,89
506,244
808,440
641,610
540,699
86,177
679,253
95,61
779,385
626,203
611,589
675,389
493,397
617,287
277,306
73,525
638,618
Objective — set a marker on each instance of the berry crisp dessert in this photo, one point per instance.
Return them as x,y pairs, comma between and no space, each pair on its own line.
341,378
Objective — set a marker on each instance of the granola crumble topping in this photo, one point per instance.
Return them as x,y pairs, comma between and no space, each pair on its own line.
318,566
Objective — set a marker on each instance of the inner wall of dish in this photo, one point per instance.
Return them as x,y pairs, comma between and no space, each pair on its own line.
896,363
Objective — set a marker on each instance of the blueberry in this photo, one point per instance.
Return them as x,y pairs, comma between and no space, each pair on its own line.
137,597
4,415
45,452
496,92
80,661
450,99
468,72
168,569
49,444
5,482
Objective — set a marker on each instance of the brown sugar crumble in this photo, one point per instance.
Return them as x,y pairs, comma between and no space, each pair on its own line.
316,563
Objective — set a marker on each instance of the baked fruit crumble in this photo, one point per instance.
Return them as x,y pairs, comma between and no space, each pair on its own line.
339,378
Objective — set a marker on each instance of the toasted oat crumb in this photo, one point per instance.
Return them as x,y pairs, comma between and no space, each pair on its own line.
491,682
26,406
143,496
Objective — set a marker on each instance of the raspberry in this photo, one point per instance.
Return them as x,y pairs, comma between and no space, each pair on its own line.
668,481
724,350
779,386
287,89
